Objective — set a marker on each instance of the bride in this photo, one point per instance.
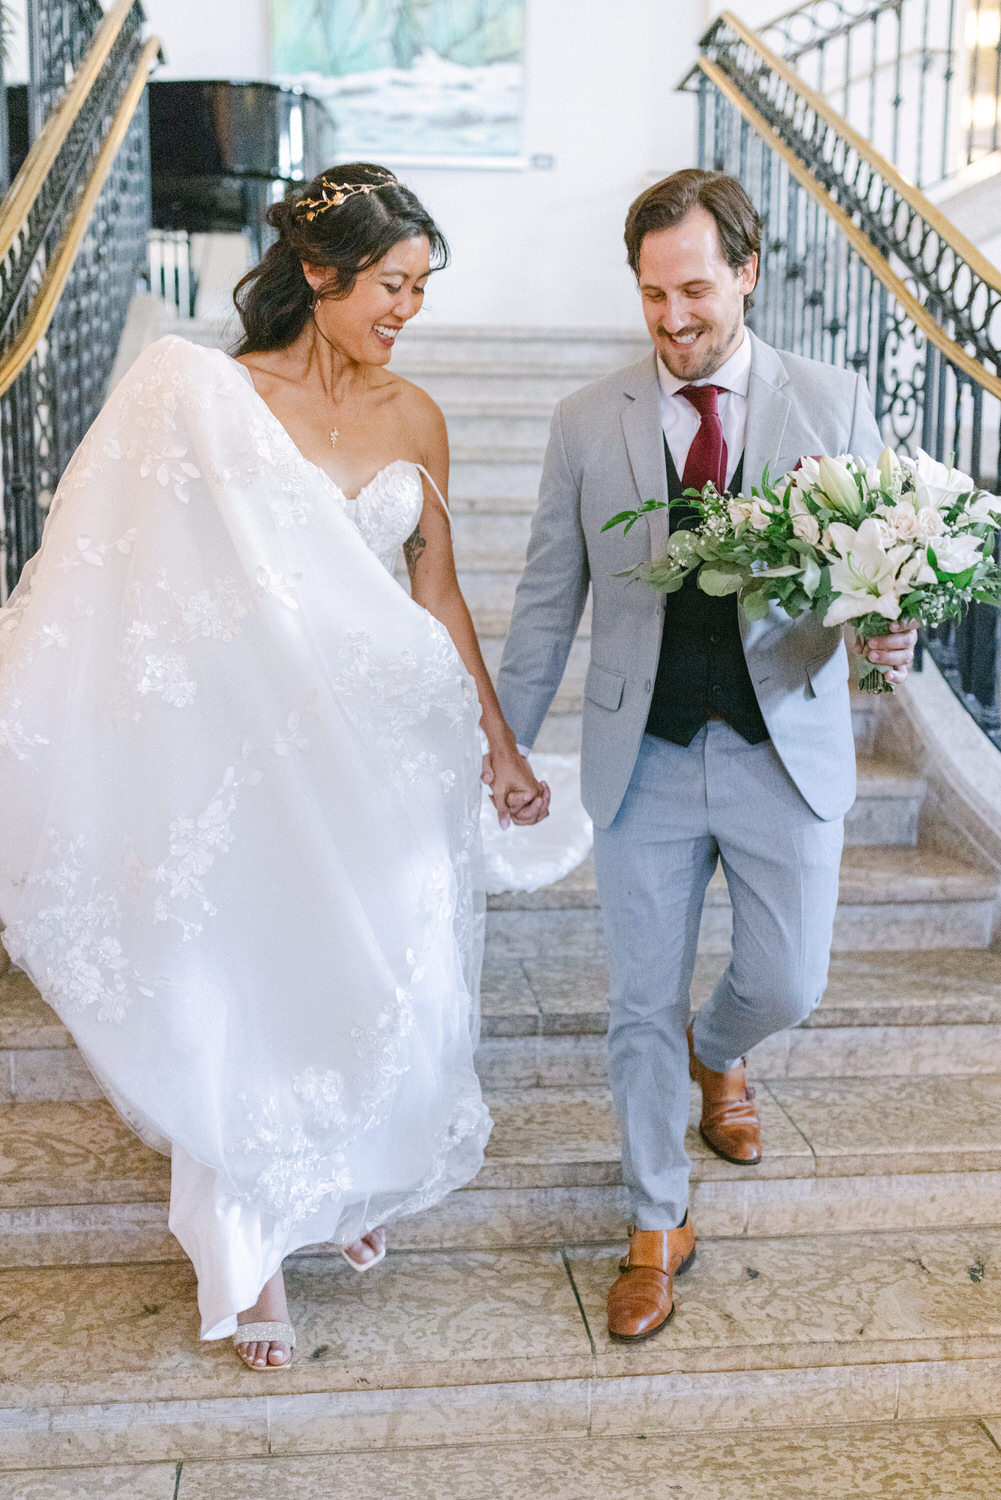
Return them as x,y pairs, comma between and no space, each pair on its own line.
240,791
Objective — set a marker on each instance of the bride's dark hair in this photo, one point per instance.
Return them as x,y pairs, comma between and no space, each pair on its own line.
274,299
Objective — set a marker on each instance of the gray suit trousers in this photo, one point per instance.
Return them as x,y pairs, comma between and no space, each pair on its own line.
718,798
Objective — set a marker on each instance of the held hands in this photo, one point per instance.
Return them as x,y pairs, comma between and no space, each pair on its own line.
895,650
516,794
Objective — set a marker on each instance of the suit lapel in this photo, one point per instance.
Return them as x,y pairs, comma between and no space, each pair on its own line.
767,412
644,439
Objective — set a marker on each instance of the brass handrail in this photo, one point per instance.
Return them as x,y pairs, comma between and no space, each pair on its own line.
47,144
54,281
901,185
863,246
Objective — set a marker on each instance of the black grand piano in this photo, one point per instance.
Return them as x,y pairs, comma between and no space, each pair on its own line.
221,152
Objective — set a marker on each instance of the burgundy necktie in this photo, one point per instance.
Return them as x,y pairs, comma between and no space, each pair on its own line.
707,456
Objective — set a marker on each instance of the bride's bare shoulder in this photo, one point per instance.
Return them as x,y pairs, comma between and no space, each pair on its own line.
414,404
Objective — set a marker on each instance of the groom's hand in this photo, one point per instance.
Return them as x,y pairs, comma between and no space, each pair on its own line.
517,796
895,650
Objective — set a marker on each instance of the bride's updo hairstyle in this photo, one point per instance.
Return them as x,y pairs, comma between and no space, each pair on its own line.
348,218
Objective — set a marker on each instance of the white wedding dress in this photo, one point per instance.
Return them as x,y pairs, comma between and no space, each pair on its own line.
240,812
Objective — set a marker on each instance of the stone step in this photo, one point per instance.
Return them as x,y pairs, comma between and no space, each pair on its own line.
453,383
533,988
481,423
445,1348
908,896
896,1460
542,994
496,473
77,1187
560,1057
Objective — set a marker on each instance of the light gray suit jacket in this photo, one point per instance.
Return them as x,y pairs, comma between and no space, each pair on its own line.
606,454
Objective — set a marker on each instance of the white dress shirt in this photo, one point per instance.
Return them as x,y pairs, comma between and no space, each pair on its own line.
681,421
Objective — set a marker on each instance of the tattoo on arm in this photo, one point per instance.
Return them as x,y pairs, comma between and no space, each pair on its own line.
412,549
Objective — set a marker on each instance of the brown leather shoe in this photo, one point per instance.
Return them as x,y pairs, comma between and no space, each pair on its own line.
641,1300
730,1121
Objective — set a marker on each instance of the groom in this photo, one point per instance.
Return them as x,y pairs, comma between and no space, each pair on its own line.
705,737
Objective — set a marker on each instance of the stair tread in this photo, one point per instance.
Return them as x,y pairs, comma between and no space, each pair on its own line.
567,995
83,1153
436,1319
528,994
871,875
897,1460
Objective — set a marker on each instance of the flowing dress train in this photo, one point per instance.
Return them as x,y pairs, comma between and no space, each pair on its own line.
240,809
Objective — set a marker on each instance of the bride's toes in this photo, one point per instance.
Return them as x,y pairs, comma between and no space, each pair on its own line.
248,1353
279,1354
365,1252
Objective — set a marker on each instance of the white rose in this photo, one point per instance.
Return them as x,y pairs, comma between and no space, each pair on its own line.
806,527
885,528
739,510
903,521
761,515
930,523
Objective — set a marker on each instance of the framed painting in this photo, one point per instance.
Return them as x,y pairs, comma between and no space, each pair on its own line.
409,81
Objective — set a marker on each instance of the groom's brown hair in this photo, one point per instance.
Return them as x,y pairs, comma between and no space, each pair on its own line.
673,198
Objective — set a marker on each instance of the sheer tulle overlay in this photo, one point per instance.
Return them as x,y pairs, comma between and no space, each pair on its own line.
239,823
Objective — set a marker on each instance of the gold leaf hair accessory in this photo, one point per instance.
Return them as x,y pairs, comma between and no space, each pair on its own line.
336,193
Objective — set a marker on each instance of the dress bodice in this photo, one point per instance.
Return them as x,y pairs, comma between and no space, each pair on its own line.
387,509
384,511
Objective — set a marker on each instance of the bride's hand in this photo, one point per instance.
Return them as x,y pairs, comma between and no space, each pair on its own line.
518,797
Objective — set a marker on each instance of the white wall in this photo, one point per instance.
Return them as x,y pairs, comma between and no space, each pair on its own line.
530,247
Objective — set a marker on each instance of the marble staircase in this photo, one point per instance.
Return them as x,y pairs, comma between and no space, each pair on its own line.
840,1332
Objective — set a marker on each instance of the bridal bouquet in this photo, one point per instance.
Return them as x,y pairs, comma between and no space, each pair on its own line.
903,539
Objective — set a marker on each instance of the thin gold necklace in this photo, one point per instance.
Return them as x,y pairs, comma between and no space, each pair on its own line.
335,432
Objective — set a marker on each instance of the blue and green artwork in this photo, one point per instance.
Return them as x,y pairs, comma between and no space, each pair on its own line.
409,79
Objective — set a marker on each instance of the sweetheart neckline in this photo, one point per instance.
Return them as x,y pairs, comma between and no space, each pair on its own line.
349,499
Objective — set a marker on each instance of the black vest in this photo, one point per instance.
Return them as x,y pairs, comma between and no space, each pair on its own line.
702,672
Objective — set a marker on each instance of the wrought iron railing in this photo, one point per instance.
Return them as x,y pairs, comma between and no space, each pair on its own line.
921,80
858,269
72,244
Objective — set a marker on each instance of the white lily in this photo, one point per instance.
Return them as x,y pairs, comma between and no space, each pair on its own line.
868,578
839,487
808,472
985,510
890,473
954,554
935,485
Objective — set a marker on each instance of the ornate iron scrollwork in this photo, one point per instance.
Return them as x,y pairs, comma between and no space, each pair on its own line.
51,404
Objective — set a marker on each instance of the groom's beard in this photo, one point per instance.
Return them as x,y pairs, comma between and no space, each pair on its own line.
704,356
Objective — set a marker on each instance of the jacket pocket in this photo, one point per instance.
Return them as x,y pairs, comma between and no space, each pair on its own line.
828,672
604,687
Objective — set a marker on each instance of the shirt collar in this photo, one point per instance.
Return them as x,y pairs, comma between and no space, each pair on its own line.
733,375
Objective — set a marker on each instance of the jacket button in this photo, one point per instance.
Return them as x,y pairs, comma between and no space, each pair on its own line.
647,685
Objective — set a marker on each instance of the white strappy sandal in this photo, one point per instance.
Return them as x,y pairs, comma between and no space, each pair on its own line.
265,1333
363,1265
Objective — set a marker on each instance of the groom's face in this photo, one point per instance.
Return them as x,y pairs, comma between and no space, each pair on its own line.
693,300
